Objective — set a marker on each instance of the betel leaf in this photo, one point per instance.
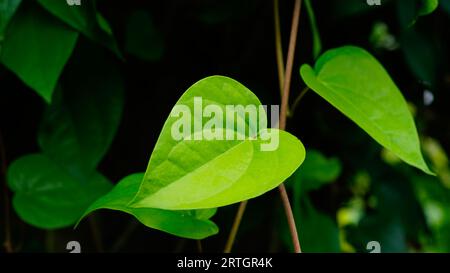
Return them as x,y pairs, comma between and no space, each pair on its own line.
317,41
7,10
194,174
418,47
193,224
427,7
79,126
143,40
84,18
354,82
40,65
47,196
312,221
316,171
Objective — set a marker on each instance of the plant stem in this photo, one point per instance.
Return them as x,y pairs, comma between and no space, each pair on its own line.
199,246
121,241
297,101
289,64
284,83
235,227
278,45
290,218
96,235
7,244
50,241
283,117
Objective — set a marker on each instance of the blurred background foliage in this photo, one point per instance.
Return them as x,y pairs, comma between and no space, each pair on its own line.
85,90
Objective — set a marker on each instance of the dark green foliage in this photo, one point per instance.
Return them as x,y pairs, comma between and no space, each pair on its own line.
106,74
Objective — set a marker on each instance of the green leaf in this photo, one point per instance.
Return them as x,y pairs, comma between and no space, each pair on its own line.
79,126
445,5
40,65
84,18
311,221
47,196
316,171
7,10
419,49
189,224
194,174
395,219
317,42
143,39
409,11
356,84
427,7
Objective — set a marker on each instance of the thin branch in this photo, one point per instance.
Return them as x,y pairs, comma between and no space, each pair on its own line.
122,240
7,244
96,235
297,101
283,117
235,227
290,218
284,83
278,45
199,246
290,63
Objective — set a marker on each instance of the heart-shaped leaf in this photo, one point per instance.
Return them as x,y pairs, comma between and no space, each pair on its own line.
40,65
427,7
195,173
193,224
47,195
316,171
356,84
80,124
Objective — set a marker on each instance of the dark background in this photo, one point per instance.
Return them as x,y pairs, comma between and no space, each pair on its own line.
236,39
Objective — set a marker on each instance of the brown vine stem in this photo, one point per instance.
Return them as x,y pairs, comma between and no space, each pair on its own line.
284,76
297,101
96,234
283,117
235,227
7,244
278,45
199,246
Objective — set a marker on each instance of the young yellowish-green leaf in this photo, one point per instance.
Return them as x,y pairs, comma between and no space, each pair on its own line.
194,174
40,65
47,196
354,82
193,224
